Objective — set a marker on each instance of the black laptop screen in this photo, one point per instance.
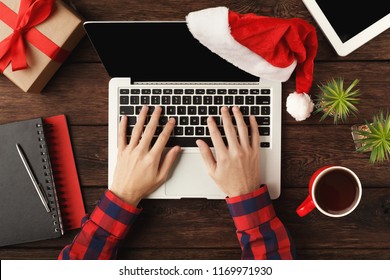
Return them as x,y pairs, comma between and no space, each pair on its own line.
348,18
159,52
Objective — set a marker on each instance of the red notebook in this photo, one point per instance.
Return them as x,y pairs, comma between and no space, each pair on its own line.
65,175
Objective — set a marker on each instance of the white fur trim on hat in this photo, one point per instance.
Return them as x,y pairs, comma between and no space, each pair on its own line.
299,105
211,28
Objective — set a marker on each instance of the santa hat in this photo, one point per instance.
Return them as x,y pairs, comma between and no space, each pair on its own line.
267,47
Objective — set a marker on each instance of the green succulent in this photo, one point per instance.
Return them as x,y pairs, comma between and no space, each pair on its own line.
375,137
337,102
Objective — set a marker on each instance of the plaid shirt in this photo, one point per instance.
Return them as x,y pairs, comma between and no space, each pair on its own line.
261,234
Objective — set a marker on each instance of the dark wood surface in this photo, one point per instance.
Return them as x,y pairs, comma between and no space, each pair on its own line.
202,229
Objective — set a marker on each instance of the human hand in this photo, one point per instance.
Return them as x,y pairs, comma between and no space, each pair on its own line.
236,167
140,168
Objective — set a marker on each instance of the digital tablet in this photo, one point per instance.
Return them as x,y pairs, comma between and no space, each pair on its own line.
350,24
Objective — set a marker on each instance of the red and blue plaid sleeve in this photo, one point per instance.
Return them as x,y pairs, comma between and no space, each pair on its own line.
260,232
102,230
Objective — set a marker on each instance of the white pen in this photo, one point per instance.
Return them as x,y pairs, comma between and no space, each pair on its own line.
33,180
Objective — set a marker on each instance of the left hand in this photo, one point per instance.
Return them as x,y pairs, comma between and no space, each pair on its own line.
140,170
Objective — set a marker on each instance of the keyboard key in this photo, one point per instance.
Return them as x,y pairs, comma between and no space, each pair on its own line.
194,120
255,110
264,144
181,110
134,99
260,100
263,120
135,91
218,100
239,100
191,110
254,91
199,130
265,110
138,110
228,100
157,91
265,131
232,91
243,91
249,100
244,110
176,99
155,100
124,91
200,91
166,100
221,91
167,91
145,100
163,120
124,100
202,110
211,91
171,110
265,91
126,110
178,130
184,121
178,91
197,99
187,100
146,91
132,120
213,110
189,91
189,130
203,120
207,100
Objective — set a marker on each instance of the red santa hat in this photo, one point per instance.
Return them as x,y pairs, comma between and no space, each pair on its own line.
267,47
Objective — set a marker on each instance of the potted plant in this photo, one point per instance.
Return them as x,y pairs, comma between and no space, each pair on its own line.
374,137
337,102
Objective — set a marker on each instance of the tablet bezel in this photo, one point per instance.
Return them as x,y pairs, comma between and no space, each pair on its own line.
345,48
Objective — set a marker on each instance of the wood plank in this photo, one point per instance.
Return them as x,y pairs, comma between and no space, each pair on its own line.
302,154
201,224
202,254
79,90
376,49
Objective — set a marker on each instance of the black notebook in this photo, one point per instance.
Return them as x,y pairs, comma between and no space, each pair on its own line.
23,216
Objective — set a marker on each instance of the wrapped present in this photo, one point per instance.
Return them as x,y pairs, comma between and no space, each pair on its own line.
36,37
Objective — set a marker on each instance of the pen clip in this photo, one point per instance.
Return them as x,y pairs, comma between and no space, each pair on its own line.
32,178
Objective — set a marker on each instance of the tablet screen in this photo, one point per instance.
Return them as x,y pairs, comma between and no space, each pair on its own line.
348,18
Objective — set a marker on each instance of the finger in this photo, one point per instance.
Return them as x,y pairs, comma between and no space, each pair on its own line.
163,138
241,127
207,156
139,127
167,163
122,140
215,135
230,132
151,128
255,137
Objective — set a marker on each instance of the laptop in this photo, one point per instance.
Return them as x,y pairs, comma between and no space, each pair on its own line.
350,24
161,64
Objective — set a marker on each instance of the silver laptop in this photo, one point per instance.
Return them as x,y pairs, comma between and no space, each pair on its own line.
161,64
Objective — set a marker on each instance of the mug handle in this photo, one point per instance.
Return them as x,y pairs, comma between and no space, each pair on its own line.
306,206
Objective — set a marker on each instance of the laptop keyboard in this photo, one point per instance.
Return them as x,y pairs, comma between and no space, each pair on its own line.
192,106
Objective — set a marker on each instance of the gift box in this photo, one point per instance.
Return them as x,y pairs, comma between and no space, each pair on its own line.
36,37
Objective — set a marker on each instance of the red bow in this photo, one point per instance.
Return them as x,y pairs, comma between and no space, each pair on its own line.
12,48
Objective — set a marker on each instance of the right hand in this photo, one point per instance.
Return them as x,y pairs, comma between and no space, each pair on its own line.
236,167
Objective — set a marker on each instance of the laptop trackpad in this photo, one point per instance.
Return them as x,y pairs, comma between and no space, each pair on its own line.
190,179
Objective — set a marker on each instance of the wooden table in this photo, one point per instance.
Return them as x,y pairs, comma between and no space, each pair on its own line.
202,229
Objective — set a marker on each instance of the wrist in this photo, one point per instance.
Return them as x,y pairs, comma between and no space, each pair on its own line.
129,198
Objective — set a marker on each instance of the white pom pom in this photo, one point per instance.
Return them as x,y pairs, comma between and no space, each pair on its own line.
299,105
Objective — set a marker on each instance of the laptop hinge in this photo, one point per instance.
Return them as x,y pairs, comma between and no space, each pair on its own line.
196,83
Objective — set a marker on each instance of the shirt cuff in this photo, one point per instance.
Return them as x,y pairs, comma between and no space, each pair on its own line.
252,209
114,215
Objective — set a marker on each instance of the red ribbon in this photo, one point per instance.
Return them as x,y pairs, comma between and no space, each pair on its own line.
13,48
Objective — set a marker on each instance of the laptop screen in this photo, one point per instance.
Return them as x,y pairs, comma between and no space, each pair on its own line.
351,17
159,52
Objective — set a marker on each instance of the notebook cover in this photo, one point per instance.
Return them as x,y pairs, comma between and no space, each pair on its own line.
23,217
64,172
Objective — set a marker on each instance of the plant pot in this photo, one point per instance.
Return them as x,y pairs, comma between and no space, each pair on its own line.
356,136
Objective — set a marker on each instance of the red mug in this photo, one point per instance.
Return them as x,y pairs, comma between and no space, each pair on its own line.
334,190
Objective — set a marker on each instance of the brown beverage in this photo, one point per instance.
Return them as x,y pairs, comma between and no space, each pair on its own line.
336,191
